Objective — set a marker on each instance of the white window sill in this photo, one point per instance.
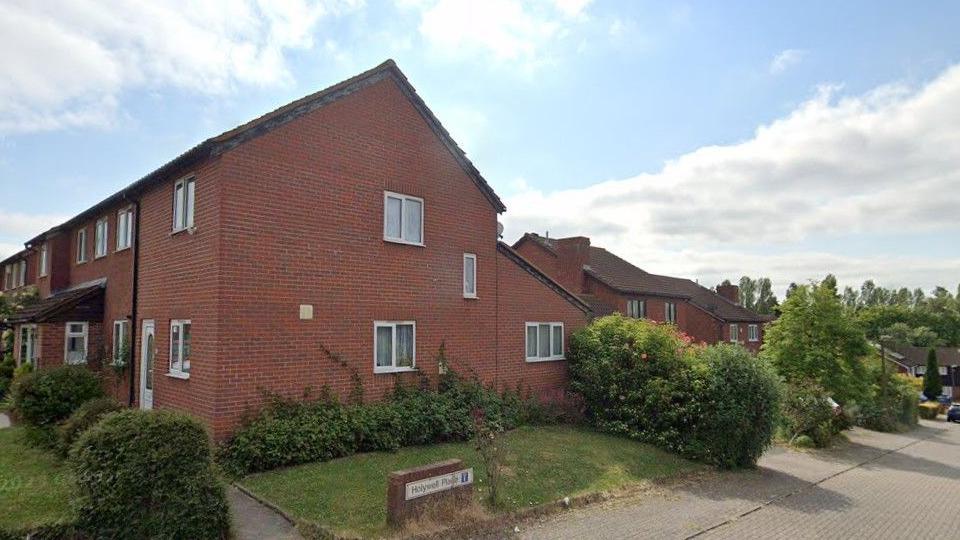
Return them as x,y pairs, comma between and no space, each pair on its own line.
471,297
191,229
551,359
95,257
118,250
404,242
81,262
378,370
178,375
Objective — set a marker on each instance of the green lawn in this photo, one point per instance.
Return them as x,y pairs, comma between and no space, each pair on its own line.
35,486
543,464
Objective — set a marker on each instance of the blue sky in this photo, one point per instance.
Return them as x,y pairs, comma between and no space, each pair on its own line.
706,140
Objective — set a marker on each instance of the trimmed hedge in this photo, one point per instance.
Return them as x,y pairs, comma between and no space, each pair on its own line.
928,411
45,397
83,419
646,381
288,433
148,475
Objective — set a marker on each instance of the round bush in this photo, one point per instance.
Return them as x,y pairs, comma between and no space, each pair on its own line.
47,396
84,418
740,406
148,475
806,410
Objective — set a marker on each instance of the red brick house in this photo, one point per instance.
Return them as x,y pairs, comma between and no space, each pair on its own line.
610,284
344,237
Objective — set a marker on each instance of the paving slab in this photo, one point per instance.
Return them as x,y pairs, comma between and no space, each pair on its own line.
251,520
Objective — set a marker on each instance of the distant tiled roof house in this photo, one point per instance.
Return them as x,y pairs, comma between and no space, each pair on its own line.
913,361
342,235
610,284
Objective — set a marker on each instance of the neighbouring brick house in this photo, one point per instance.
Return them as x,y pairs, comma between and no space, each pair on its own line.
912,360
344,237
610,284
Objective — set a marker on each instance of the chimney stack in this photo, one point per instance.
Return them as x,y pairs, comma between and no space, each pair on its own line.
730,292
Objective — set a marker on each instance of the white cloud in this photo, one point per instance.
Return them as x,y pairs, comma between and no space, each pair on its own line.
884,162
505,31
66,62
785,59
16,227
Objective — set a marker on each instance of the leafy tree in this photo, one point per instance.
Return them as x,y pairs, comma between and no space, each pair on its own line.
814,340
918,297
767,301
790,289
932,384
748,292
850,298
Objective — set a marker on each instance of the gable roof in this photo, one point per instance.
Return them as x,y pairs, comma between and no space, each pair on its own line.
47,309
911,356
232,138
627,278
526,265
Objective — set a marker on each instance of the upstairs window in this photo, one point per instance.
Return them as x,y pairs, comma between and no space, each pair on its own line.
636,309
43,260
81,246
75,346
180,349
544,341
670,312
402,218
395,346
469,275
734,333
22,273
183,201
124,228
100,238
753,332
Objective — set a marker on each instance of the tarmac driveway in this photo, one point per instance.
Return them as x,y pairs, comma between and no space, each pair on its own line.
877,486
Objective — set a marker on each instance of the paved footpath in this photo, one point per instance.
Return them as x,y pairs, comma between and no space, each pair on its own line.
878,486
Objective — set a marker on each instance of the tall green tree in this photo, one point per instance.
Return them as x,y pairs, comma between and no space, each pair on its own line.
851,300
748,292
932,383
815,340
767,301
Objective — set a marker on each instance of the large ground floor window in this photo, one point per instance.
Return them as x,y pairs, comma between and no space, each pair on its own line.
394,345
75,343
28,345
544,341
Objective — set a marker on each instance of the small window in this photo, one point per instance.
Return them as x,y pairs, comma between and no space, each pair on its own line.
28,344
636,309
81,246
180,348
402,218
22,273
544,341
183,202
75,346
124,228
8,277
121,348
943,370
920,370
670,312
753,332
395,346
734,333
43,260
469,275
100,238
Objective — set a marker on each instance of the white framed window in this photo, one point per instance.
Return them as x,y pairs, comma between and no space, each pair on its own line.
8,277
100,238
402,218
124,228
636,309
82,246
75,343
121,333
734,333
28,344
184,191
920,370
544,341
180,348
943,370
22,273
394,346
469,275
753,332
43,260
670,312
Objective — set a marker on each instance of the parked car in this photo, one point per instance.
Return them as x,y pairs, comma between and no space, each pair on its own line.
953,415
945,400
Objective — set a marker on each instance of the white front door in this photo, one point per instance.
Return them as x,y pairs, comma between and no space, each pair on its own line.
148,351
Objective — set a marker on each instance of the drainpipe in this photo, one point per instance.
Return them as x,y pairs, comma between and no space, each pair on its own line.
133,302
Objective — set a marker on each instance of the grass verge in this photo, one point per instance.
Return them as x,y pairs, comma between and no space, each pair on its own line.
35,486
542,464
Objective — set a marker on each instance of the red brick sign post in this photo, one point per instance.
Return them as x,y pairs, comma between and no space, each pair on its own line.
412,491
